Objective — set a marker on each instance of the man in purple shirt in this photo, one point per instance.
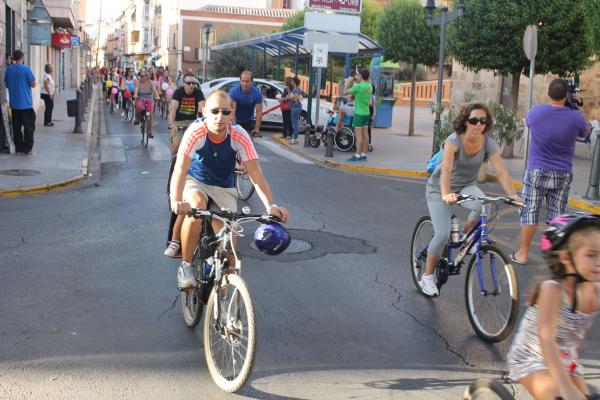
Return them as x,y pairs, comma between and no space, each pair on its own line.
554,131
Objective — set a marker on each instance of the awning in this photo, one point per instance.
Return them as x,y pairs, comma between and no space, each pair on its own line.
288,42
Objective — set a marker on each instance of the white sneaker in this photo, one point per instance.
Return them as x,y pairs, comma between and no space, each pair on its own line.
185,276
173,249
429,285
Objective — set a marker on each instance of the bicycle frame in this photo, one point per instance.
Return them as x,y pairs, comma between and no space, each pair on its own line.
477,236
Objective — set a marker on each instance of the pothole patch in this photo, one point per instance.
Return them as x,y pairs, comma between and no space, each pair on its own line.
19,172
308,245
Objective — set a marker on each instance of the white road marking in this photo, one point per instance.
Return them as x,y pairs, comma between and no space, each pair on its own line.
112,149
275,148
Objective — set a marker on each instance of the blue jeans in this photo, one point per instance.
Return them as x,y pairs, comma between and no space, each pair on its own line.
295,121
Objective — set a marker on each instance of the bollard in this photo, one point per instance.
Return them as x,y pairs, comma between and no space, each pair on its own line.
329,143
83,103
78,115
592,192
307,136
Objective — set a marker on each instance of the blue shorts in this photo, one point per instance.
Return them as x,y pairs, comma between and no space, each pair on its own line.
540,185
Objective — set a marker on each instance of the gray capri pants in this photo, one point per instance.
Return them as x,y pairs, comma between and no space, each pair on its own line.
441,212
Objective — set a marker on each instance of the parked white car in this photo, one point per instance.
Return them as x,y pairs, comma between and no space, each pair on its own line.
271,91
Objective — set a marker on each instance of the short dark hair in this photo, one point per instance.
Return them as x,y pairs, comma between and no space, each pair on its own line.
364,73
296,80
189,74
460,122
246,71
47,68
558,89
17,55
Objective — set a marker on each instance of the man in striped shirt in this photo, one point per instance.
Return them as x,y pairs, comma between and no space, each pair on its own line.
205,169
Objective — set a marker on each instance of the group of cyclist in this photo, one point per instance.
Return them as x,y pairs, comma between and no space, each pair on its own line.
544,355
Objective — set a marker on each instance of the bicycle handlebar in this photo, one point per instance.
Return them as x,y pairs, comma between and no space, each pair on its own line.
232,216
488,199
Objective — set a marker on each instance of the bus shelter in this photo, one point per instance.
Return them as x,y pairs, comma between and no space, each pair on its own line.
289,44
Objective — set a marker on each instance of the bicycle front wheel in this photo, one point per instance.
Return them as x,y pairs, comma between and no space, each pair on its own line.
145,127
487,389
492,294
422,235
229,334
243,185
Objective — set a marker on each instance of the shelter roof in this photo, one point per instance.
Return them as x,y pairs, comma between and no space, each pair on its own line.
249,11
288,42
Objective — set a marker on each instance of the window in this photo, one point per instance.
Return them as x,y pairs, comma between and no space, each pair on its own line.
10,31
173,46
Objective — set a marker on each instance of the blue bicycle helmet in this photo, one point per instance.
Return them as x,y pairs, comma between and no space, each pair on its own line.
272,238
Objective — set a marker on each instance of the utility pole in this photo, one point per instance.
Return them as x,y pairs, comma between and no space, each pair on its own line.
98,39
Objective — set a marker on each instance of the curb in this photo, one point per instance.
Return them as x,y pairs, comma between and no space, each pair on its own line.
357,168
573,202
61,185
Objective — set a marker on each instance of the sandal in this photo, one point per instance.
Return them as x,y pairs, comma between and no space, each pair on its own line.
515,260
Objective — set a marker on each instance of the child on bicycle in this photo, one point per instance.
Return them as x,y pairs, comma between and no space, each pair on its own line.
544,354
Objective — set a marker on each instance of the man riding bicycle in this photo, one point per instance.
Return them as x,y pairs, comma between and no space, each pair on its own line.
186,105
247,104
205,170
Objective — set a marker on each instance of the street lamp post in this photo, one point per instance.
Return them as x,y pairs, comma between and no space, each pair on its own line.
441,21
206,29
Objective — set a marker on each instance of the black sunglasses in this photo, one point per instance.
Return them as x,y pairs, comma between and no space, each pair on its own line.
190,83
224,111
475,120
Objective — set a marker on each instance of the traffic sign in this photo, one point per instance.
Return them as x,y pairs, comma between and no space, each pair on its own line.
335,43
353,6
340,23
530,42
319,55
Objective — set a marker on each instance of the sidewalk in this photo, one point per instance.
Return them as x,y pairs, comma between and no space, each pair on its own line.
59,157
395,153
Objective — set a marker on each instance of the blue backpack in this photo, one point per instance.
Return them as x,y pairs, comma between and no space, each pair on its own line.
435,160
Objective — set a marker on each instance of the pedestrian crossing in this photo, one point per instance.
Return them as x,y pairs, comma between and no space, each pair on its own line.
115,148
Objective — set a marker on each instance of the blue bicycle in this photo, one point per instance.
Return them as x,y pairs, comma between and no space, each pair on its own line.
491,290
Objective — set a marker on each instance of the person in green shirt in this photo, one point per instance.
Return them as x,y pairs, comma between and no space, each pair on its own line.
361,88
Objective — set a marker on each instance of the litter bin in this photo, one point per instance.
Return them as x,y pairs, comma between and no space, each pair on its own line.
72,107
385,108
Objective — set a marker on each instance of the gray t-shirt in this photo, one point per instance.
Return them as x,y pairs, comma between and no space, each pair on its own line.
465,167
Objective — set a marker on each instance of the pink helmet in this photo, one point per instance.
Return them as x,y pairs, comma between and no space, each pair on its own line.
169,92
114,90
559,229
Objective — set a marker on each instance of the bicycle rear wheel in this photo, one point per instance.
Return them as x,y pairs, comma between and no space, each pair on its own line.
191,303
230,338
344,139
421,237
487,389
493,307
243,185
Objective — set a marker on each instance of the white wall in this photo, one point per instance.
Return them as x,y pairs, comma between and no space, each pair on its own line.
196,4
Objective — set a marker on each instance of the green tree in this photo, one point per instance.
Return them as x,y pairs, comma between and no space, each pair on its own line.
368,18
231,62
593,25
296,21
489,36
403,33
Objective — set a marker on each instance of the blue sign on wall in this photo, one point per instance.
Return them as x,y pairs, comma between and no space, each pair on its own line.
75,42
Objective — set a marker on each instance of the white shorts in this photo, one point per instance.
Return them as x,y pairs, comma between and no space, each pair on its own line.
221,197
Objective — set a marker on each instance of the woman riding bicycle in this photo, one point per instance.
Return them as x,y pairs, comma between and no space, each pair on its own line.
127,83
464,152
544,354
144,95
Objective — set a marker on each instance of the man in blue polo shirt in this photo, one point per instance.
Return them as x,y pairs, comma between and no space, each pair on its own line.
19,80
247,100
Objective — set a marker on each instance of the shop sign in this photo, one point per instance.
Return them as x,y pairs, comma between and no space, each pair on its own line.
61,40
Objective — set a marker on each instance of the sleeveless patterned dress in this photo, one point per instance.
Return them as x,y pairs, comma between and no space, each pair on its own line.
525,355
